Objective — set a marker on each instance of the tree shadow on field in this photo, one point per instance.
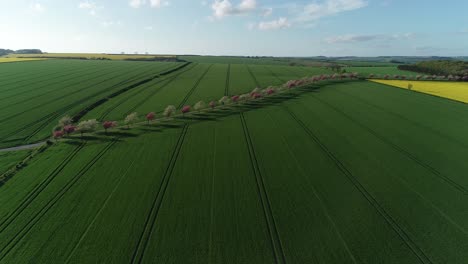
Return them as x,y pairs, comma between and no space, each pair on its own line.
216,114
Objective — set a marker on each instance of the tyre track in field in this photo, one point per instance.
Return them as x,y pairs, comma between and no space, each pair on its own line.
74,84
228,77
404,236
5,250
126,98
70,94
48,118
274,74
322,204
253,77
142,244
39,76
38,189
169,79
194,87
429,168
263,195
72,77
415,123
98,213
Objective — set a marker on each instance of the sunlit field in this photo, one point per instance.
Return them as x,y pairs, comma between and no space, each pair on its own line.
452,90
5,60
91,56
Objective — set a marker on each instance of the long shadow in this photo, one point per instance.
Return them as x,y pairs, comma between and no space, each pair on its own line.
205,115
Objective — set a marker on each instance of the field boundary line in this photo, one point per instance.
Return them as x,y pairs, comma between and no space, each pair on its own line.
34,219
253,76
169,81
274,74
415,123
147,231
98,213
426,166
38,189
263,195
195,86
212,191
316,194
405,237
228,77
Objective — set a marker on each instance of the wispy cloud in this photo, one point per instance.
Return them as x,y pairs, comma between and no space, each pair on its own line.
90,6
317,10
350,38
226,8
37,7
279,23
152,3
267,12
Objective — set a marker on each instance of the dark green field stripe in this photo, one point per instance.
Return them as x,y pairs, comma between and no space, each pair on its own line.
405,237
424,127
402,151
171,79
274,74
194,87
158,199
79,78
41,76
33,221
253,76
38,189
98,213
228,76
75,76
263,195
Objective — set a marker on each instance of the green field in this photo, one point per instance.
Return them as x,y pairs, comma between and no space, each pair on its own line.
337,172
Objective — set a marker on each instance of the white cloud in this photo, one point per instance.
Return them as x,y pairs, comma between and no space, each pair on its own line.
267,12
226,8
274,24
317,10
149,28
37,7
350,38
87,5
152,3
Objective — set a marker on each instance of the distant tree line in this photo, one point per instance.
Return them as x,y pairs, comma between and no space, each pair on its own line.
439,67
21,51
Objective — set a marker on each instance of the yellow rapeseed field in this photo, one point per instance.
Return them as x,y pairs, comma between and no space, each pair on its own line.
2,60
453,90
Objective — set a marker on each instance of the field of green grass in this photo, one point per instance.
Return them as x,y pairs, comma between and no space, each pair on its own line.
338,172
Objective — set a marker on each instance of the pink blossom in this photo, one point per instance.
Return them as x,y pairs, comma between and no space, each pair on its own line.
186,109
270,91
150,116
68,129
58,134
257,95
235,98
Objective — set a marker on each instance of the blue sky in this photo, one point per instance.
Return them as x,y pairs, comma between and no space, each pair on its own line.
238,27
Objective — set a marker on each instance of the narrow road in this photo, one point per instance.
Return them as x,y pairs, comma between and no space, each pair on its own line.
23,147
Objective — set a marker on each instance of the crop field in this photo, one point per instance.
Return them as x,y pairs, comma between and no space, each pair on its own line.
89,56
6,60
381,70
457,91
339,172
35,95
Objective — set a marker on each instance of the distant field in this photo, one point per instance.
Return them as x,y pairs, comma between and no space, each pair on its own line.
391,70
34,95
6,59
457,91
90,56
